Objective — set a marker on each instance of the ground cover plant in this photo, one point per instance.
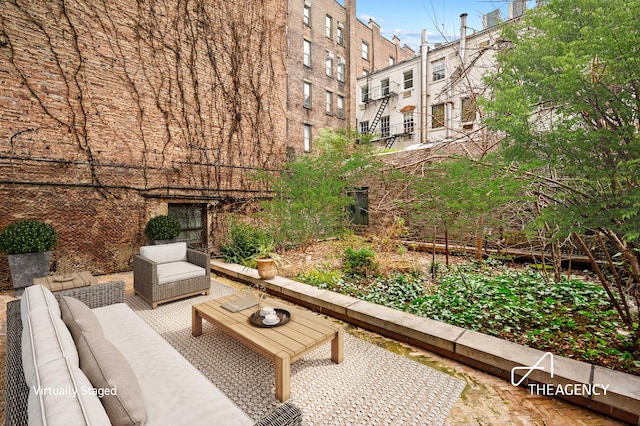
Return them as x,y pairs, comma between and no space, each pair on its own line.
572,318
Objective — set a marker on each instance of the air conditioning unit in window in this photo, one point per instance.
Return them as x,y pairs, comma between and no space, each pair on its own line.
307,3
341,61
330,55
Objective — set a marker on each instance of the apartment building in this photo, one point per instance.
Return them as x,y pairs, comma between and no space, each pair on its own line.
328,48
431,99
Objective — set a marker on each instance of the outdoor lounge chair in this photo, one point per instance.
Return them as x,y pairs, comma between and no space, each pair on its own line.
166,272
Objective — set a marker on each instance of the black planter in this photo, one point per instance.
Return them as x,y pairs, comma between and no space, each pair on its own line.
25,267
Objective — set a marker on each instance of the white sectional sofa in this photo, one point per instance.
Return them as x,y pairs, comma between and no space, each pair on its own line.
84,360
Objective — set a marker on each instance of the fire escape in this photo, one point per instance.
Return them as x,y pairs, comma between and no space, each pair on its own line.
386,93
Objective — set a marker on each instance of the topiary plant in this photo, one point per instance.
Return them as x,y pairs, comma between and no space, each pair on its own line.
28,236
162,227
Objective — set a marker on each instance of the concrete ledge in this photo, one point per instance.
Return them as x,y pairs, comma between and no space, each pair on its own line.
575,381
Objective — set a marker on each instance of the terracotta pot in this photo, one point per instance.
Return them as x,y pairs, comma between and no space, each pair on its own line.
266,268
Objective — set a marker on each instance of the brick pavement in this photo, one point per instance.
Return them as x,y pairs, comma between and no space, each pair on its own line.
487,400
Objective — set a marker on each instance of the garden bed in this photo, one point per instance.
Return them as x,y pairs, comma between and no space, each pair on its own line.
572,318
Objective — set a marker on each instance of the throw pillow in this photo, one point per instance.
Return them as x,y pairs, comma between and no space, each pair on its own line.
110,373
78,317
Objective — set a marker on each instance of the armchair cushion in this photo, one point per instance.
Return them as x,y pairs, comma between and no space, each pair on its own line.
178,271
165,253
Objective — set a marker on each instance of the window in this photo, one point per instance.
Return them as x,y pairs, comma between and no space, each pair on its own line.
437,116
306,15
307,53
329,103
328,26
340,69
468,110
391,60
291,154
365,51
384,87
340,106
364,94
359,210
328,64
385,126
408,79
340,34
408,122
307,137
192,221
307,95
364,127
438,71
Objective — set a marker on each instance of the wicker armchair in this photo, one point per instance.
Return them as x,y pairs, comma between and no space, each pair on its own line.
156,287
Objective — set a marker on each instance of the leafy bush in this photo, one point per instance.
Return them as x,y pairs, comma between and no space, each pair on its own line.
328,279
243,243
28,236
398,290
359,262
162,227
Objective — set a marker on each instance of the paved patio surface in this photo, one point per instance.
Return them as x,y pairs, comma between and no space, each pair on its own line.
487,400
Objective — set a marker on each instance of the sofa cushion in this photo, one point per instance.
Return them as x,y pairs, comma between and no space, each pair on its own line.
177,271
38,297
165,253
78,317
45,338
165,376
109,371
64,396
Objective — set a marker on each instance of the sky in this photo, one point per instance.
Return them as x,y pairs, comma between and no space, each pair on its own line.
407,18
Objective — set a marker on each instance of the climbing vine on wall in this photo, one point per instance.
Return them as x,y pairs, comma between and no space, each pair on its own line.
185,92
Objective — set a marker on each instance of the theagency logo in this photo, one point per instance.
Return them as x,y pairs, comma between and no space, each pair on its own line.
545,363
528,370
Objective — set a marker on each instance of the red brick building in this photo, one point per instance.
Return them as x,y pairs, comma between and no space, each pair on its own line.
115,113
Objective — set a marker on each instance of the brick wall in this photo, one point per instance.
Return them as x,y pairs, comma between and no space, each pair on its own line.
109,112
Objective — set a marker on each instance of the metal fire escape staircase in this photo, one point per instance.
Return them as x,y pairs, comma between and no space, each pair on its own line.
381,108
376,119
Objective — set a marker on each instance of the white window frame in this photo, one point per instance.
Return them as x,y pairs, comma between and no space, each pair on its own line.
364,127
385,126
328,31
340,106
408,122
306,15
307,94
329,103
364,94
340,67
365,50
306,137
408,82
307,53
437,71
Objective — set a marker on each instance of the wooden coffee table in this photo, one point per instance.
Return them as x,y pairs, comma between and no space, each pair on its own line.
282,345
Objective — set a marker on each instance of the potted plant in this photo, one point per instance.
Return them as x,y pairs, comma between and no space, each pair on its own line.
28,245
162,229
266,258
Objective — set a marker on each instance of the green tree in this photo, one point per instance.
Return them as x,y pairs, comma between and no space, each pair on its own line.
311,200
567,95
464,196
